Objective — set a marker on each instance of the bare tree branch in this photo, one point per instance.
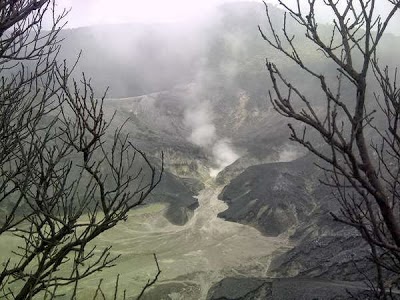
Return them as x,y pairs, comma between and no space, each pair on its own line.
365,175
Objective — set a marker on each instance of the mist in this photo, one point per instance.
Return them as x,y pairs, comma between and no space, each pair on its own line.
224,155
199,119
324,14
100,12
290,152
188,81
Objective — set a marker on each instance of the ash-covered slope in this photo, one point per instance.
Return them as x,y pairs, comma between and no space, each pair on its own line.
168,122
288,199
274,197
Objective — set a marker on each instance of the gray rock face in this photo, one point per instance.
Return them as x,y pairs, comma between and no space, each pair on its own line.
241,288
236,288
332,257
272,197
180,198
288,198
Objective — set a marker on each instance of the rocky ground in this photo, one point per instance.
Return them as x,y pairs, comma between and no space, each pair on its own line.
287,289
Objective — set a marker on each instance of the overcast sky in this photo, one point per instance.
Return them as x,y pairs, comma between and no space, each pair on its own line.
90,12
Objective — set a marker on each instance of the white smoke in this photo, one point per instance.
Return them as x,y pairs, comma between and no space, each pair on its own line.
200,120
290,153
203,133
223,156
223,153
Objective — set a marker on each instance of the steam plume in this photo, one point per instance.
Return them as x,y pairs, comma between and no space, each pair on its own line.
203,133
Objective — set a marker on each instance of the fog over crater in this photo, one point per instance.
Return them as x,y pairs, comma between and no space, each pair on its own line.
199,118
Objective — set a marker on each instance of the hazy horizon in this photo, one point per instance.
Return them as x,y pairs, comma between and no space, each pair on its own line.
100,12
